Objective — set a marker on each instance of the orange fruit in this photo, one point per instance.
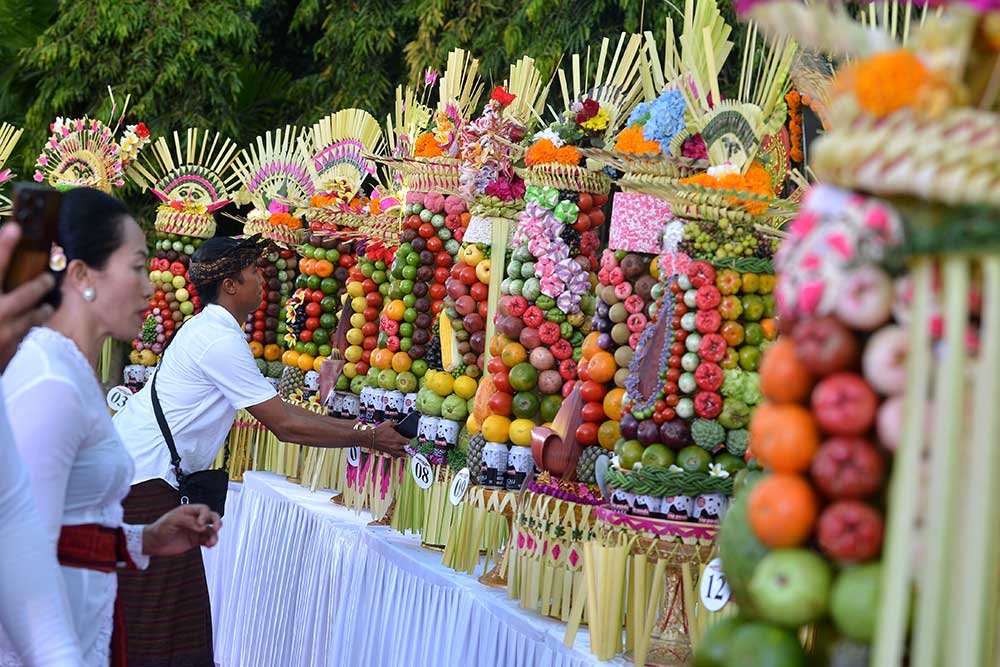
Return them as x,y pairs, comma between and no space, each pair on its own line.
318,363
497,344
783,378
323,268
395,309
613,403
290,358
401,362
256,349
782,510
784,437
382,359
272,352
513,354
303,265
608,434
306,362
602,367
590,346
770,327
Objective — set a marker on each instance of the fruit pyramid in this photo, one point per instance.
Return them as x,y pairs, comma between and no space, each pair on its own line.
546,303
277,182
335,150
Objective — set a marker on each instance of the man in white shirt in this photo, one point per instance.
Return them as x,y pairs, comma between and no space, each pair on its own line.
207,373
34,611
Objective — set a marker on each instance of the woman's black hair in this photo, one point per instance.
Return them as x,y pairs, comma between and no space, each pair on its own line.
90,229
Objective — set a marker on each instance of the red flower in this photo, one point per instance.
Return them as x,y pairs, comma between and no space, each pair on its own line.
141,131
590,109
502,96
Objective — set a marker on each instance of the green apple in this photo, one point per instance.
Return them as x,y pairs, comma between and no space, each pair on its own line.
791,587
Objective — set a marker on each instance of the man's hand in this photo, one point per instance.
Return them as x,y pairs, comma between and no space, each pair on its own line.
388,441
19,310
180,530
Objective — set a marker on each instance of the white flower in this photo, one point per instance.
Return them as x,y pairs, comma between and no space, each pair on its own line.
258,215
551,135
725,169
675,468
673,234
715,470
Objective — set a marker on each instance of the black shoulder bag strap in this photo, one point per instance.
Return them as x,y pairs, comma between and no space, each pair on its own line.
175,458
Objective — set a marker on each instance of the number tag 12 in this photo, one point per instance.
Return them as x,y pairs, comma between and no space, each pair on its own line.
423,473
714,589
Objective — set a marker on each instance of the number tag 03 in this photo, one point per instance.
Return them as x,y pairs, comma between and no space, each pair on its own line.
423,473
118,397
354,457
459,486
714,588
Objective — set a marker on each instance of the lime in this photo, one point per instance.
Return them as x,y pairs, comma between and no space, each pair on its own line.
525,405
301,281
760,644
329,304
312,349
405,344
394,291
631,453
523,377
694,459
378,277
413,259
409,272
409,300
325,350
380,265
405,329
328,286
713,648
410,315
657,456
383,289
321,336
406,286
419,367
367,270
314,282
550,406
300,347
332,255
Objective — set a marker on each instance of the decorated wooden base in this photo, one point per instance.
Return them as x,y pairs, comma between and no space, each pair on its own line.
642,574
481,526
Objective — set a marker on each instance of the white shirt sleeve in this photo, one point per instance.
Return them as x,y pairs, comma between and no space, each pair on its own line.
233,370
34,610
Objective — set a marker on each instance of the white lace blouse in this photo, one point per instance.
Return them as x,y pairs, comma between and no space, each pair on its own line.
80,471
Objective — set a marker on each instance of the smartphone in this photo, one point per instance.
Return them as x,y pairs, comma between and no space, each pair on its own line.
408,427
36,210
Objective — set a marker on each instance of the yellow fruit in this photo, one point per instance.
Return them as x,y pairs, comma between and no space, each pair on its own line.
472,425
147,358
401,362
133,357
465,387
441,383
496,428
355,337
358,320
290,358
306,362
318,362
520,432
350,371
353,353
358,304
654,269
355,290
608,434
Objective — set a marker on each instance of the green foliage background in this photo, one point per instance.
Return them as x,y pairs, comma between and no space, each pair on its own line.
246,66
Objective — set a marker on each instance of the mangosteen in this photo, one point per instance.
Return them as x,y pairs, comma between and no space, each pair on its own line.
675,434
408,235
341,274
270,323
424,275
629,426
270,270
273,309
418,351
427,258
329,243
261,263
423,321
603,324
419,244
632,266
344,247
602,309
420,289
422,304
248,327
273,297
185,260
421,336
274,284
270,337
172,255
644,285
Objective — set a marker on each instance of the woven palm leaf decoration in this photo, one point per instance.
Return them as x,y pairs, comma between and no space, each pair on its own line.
460,85
193,177
276,178
85,152
337,147
525,82
9,136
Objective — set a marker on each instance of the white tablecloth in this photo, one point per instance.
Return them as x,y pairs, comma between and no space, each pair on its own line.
298,581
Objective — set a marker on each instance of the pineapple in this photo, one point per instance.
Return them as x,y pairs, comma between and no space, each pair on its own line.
474,457
292,380
585,466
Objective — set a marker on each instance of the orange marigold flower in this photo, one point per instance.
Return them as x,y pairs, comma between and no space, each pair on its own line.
888,82
427,146
542,151
285,220
630,140
756,180
569,156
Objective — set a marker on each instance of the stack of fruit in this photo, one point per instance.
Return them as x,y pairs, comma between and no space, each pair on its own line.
264,327
467,291
367,287
174,300
802,545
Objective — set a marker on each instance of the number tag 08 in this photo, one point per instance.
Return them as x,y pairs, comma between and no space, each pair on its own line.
423,473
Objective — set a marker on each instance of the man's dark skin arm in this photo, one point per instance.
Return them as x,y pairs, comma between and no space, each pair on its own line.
290,423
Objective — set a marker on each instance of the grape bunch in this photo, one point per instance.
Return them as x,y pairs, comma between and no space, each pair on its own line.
433,357
724,238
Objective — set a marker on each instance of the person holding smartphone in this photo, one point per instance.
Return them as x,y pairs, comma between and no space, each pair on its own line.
78,468
33,606
206,374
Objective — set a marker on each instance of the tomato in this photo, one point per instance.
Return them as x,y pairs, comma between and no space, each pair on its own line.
368,285
312,310
259,325
369,342
437,292
592,391
346,261
373,299
443,258
467,275
305,336
317,295
659,418
495,365
593,411
361,366
483,309
434,244
259,336
371,314
426,230
586,434
479,291
501,380
369,329
437,306
312,323
673,374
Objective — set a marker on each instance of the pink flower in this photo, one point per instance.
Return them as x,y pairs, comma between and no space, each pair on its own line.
430,76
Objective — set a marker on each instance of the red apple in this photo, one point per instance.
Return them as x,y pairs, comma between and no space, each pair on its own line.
465,305
848,468
850,531
825,345
844,404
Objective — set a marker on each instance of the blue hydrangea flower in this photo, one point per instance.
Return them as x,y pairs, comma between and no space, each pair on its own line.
662,119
